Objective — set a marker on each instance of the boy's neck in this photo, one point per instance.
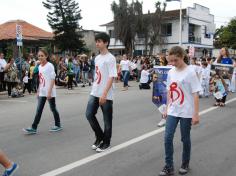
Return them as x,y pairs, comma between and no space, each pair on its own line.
104,51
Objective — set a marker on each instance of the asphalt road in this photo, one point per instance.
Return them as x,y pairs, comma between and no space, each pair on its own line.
213,140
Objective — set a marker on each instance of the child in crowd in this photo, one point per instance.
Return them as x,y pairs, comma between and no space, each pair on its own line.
205,79
220,90
145,78
26,82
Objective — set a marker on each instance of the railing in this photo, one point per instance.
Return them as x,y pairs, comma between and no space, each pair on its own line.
193,39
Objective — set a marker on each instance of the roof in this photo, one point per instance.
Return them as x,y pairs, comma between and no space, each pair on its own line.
29,31
169,15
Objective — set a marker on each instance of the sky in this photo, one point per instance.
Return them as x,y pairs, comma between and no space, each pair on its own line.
98,12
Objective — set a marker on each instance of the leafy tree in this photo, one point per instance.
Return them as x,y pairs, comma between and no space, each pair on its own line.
63,17
156,22
127,22
225,36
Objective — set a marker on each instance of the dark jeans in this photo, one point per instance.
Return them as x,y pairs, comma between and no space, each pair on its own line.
2,82
28,86
41,103
107,110
144,86
185,128
125,75
10,86
221,100
70,80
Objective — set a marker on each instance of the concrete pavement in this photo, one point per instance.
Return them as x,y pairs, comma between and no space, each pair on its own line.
213,142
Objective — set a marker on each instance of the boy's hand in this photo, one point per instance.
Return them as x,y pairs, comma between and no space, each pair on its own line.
195,119
49,96
102,100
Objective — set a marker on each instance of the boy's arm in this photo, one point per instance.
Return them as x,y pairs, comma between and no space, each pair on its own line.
103,98
196,118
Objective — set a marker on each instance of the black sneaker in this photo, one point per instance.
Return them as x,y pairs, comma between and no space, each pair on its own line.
184,169
103,147
96,144
167,171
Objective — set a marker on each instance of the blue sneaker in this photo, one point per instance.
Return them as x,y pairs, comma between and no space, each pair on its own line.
11,171
30,130
55,129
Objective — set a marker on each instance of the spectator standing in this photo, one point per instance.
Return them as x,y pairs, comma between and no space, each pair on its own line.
11,76
3,64
125,69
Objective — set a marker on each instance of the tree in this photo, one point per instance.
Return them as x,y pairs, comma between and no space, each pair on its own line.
156,22
226,36
63,17
127,22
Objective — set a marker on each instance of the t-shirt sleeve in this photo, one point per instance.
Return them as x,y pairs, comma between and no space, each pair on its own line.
112,70
194,82
52,74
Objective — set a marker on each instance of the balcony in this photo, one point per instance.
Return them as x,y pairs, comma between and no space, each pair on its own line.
193,39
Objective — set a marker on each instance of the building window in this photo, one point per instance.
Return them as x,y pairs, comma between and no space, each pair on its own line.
207,35
111,33
166,29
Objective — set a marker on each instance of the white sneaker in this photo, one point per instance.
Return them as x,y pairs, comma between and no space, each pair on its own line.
162,123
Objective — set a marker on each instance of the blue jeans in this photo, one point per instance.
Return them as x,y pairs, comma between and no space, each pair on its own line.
107,110
52,104
125,75
185,128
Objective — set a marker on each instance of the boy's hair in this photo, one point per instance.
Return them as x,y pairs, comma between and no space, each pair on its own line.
104,37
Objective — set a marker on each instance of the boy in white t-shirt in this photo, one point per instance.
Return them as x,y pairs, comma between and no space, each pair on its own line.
102,93
46,91
182,106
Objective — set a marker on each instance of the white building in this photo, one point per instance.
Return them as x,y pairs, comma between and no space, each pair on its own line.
197,31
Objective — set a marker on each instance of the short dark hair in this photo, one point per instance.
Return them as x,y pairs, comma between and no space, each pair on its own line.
104,37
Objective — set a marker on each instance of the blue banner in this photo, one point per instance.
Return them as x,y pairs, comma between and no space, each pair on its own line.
159,96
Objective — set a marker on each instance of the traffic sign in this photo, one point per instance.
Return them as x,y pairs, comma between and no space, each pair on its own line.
19,35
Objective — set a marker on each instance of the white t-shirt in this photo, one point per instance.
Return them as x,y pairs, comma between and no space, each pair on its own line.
46,75
182,85
3,64
144,76
125,65
205,74
105,66
197,69
26,79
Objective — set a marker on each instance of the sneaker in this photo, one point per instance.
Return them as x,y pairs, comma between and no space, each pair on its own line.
55,129
96,144
103,147
11,171
162,123
184,169
167,171
30,130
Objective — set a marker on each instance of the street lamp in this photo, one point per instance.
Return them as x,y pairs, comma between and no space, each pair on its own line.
180,20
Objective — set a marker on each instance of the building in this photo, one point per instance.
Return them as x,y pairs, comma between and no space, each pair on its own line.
33,37
89,39
197,32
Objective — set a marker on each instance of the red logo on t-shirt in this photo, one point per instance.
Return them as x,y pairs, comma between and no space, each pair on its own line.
99,75
175,90
41,80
